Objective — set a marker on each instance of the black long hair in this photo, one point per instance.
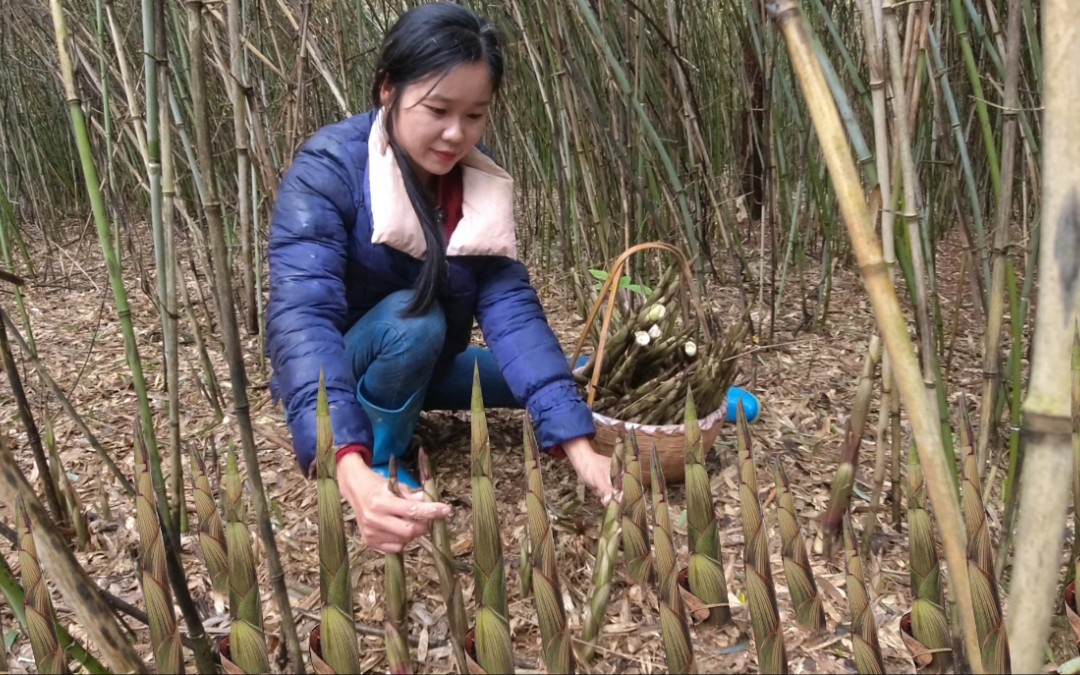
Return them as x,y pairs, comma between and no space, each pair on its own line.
426,41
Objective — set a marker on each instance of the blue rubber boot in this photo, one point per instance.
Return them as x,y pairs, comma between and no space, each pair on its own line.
393,430
750,403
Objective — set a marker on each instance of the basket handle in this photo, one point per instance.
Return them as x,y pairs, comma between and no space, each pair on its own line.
609,289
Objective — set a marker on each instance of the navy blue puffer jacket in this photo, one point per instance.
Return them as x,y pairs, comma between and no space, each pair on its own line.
325,273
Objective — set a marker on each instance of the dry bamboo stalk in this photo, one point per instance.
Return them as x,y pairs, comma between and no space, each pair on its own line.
891,322
760,589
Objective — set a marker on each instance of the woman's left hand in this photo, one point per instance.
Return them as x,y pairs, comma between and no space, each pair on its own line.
593,469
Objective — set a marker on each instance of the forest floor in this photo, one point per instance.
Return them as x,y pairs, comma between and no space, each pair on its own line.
804,375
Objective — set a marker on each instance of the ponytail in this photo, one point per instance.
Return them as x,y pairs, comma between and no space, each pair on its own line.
433,267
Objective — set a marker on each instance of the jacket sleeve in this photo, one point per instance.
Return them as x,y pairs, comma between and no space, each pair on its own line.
306,314
526,349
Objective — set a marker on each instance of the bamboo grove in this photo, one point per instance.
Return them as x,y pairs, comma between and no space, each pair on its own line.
775,143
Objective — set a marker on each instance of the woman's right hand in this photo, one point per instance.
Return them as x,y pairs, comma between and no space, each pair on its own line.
387,522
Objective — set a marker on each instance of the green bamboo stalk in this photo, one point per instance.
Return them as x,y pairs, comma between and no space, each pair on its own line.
929,624
607,550
977,94
637,551
706,571
230,332
984,588
864,635
212,541
444,565
494,649
112,263
397,595
891,322
39,617
338,635
760,589
678,648
247,646
547,592
996,296
154,574
809,611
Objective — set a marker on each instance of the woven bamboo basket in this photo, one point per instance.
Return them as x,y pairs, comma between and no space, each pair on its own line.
669,439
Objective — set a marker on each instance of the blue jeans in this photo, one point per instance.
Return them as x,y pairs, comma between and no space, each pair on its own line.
393,357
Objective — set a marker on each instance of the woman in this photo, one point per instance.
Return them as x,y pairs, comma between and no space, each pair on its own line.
392,231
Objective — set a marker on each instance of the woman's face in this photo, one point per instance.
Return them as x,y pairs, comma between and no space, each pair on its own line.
438,120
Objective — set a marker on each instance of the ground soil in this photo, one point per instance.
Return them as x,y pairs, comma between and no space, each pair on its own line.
804,373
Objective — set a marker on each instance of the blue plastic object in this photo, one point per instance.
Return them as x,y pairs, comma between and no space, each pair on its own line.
393,431
751,405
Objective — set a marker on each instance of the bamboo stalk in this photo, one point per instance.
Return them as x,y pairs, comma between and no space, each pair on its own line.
995,312
891,323
1046,422
231,334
